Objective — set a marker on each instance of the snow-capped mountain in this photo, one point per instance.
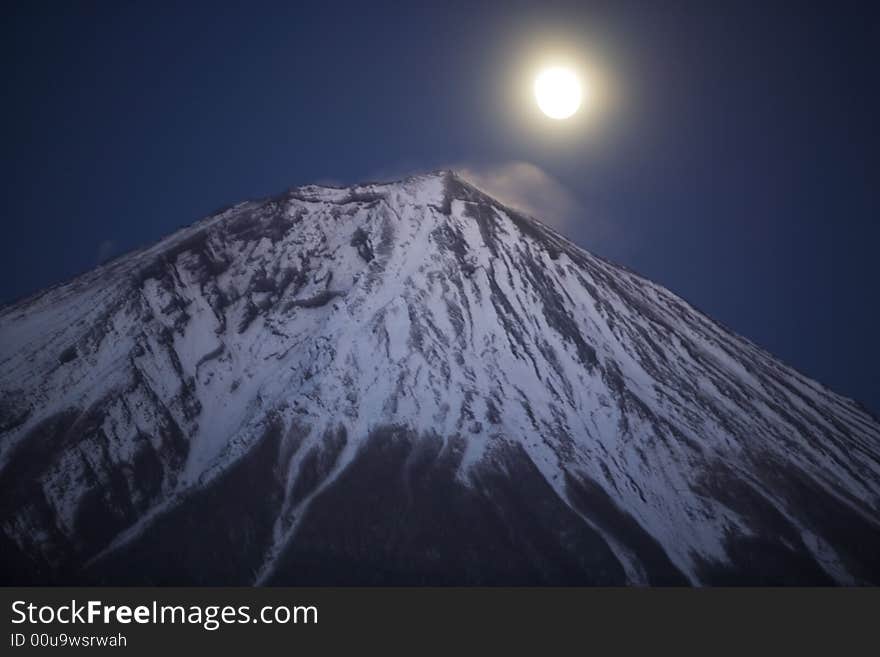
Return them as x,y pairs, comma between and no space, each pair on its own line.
411,383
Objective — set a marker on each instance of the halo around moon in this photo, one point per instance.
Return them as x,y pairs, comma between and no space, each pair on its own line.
558,92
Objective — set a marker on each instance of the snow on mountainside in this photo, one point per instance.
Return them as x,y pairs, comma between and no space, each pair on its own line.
411,383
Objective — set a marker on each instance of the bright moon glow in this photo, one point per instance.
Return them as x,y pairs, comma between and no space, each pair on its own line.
558,92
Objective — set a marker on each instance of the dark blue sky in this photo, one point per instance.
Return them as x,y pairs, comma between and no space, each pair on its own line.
738,165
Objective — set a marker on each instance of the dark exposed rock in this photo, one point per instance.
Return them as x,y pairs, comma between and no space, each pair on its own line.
68,354
218,534
320,299
361,241
398,515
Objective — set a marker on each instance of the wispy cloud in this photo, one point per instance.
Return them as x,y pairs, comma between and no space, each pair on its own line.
106,250
529,188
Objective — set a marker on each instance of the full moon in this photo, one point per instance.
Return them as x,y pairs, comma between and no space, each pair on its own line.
558,92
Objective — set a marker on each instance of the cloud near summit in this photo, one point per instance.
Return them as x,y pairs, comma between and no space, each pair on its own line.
525,186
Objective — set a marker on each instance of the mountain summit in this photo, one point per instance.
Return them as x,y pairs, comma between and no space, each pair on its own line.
410,383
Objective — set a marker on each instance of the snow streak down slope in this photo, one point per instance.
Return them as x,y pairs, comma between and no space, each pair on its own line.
411,383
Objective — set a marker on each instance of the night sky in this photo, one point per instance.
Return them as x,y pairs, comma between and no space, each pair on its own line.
735,162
